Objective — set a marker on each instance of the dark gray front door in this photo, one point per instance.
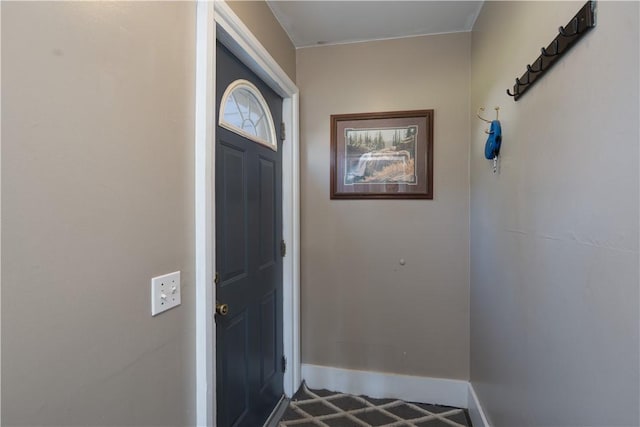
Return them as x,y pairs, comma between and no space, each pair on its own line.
249,344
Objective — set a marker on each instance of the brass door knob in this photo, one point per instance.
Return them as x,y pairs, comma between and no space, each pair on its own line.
222,309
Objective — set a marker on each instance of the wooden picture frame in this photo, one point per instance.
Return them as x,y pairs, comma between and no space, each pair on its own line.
385,155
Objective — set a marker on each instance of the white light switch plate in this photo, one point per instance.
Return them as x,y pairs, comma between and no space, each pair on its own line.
165,292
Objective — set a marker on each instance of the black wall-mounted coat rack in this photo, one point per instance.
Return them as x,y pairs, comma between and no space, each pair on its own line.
567,36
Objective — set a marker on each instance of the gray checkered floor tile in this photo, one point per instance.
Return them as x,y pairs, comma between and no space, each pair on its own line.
322,408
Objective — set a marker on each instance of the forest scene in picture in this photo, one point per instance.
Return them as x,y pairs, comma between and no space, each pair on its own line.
380,156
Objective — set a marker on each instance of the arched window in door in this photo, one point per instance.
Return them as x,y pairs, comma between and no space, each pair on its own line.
243,110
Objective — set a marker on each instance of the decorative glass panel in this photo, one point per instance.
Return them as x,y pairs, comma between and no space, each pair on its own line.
245,112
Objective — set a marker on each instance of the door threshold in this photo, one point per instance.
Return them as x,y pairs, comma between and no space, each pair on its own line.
277,412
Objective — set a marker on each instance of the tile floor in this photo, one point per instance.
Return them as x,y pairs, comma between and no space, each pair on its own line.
314,408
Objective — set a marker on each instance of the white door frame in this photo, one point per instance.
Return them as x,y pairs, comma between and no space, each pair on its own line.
239,40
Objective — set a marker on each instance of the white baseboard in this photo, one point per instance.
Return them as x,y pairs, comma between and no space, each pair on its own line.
379,385
476,413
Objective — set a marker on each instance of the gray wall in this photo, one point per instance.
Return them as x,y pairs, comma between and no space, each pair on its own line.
97,198
360,309
554,236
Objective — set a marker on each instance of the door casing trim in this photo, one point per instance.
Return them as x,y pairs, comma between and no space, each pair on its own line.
235,36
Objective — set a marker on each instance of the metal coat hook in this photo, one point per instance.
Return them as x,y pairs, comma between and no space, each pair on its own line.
521,83
486,120
574,24
555,48
566,37
532,70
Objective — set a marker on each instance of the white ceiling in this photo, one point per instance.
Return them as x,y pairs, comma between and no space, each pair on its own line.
310,22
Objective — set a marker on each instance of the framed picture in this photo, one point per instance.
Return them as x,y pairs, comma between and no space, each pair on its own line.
382,155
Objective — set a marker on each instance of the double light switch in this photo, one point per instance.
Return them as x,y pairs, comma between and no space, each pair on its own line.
165,292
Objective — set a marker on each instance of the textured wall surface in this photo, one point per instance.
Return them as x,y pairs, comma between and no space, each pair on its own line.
554,235
360,308
97,198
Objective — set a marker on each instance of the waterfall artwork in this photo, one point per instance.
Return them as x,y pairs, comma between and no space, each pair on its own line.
382,155
378,156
